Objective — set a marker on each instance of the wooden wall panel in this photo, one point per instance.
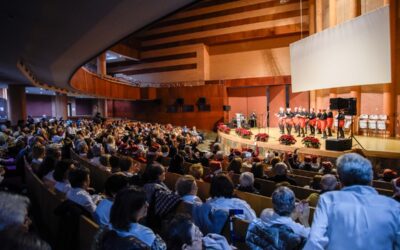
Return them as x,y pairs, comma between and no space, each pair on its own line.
277,96
89,83
301,99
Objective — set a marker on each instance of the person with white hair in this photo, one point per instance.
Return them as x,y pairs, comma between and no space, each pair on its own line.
280,170
328,183
276,229
14,211
356,217
246,183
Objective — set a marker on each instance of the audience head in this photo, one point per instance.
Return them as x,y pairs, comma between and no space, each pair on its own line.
246,179
274,161
13,211
114,163
283,201
105,160
235,165
221,186
97,150
115,183
353,169
258,170
130,205
156,172
389,174
280,168
328,182
186,185
196,170
38,151
60,173
125,163
181,233
79,177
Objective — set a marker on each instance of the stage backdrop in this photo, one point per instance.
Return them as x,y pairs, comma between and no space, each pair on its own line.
356,52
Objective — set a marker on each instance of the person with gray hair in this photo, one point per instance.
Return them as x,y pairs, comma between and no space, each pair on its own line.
280,170
246,183
13,211
276,229
328,183
356,217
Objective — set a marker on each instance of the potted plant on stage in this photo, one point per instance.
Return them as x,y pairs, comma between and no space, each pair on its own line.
263,137
311,142
224,129
244,133
287,140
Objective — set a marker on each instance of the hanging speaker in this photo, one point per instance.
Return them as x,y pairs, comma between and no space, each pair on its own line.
226,107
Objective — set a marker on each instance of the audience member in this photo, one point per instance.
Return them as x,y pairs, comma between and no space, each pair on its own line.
79,179
112,186
246,183
221,197
186,187
328,183
14,211
356,217
60,175
197,171
183,234
396,189
280,170
277,230
129,207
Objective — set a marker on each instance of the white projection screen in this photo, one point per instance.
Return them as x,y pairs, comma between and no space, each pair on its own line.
356,52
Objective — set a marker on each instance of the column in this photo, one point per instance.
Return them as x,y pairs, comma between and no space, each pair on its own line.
16,103
101,64
61,106
312,29
355,92
332,23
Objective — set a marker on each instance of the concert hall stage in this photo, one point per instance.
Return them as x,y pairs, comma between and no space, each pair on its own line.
378,147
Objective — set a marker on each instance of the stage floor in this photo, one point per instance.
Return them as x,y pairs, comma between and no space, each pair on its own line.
374,146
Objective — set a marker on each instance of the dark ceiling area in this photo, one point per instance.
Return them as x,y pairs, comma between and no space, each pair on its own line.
54,38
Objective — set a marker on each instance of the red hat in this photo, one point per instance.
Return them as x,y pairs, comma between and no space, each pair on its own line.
327,164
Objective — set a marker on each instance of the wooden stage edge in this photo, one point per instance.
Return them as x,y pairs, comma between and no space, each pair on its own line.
375,147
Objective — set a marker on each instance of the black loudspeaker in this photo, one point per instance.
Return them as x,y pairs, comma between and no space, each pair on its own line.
352,107
341,144
201,100
179,101
226,107
204,107
338,103
172,109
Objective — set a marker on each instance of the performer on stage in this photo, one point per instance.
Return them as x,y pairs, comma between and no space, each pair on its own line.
281,119
322,120
319,122
329,121
312,118
289,120
302,121
341,119
296,114
253,120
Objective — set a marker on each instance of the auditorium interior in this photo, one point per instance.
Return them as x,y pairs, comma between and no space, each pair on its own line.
200,124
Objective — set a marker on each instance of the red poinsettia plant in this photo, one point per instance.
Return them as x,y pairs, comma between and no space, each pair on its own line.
224,129
261,137
287,140
311,142
245,133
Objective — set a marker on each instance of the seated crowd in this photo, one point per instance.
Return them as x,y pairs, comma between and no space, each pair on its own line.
138,210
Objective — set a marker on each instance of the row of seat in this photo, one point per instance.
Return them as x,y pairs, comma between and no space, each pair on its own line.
46,201
382,186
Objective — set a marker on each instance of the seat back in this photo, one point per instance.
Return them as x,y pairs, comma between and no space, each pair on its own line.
240,230
88,230
257,202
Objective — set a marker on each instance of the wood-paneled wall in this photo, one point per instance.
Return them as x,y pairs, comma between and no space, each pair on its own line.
92,84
